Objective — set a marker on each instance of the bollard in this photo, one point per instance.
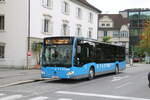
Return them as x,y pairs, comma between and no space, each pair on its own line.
131,62
149,79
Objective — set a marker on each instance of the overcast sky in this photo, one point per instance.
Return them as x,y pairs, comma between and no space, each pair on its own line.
114,6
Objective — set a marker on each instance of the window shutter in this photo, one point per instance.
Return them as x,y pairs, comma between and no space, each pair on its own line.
88,17
81,31
68,30
43,3
76,32
80,13
68,9
77,12
42,25
51,27
62,30
63,7
51,3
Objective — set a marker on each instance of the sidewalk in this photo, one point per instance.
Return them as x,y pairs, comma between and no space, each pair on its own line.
134,65
10,77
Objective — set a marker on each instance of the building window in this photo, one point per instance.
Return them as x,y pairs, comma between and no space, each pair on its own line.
124,34
79,13
2,22
65,7
90,17
90,32
107,24
105,33
47,25
115,34
2,1
2,50
65,28
79,30
47,3
103,24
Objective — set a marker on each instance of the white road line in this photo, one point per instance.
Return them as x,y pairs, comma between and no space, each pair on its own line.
119,78
1,94
128,83
39,98
101,95
64,99
12,97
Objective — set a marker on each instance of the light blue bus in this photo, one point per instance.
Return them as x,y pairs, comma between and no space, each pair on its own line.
76,58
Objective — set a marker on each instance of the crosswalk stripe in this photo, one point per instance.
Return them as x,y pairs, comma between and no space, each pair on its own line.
39,98
1,94
64,99
12,97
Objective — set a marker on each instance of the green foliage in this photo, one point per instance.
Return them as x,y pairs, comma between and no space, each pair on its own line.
138,51
36,47
106,39
145,38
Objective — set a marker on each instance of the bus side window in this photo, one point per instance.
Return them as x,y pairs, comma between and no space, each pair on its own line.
78,49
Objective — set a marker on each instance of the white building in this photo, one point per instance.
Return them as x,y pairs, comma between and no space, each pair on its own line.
116,27
20,19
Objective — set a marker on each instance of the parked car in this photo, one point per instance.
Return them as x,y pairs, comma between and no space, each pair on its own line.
136,59
149,79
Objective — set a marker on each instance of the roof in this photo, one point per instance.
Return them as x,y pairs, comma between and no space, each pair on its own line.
136,10
89,5
118,20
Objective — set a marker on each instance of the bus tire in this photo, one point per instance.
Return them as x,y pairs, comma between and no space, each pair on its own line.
149,79
117,69
91,73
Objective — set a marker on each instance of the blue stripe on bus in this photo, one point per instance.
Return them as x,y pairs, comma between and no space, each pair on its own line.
61,72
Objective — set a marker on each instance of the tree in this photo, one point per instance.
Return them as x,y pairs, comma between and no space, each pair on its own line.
106,39
36,48
145,38
138,51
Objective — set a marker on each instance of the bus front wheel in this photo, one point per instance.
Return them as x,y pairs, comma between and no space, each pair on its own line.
91,73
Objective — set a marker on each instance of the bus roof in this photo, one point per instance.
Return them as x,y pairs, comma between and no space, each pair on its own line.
82,38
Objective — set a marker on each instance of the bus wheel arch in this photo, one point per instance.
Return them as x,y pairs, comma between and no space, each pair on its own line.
117,69
91,74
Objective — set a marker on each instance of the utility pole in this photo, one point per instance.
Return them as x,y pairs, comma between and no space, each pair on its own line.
28,38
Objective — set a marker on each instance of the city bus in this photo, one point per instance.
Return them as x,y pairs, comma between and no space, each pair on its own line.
76,58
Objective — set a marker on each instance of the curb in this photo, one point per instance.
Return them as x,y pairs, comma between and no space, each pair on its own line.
21,82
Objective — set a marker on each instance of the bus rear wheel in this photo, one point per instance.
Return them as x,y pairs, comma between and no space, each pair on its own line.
91,73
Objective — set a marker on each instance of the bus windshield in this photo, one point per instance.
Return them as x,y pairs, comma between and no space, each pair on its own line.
57,56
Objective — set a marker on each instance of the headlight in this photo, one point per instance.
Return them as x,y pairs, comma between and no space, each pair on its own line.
70,73
42,72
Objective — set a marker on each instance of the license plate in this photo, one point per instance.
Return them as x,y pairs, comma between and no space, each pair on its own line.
55,77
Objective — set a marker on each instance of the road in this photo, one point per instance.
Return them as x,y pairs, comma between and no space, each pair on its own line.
131,84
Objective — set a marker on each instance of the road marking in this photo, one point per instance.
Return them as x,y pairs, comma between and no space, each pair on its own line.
119,78
12,97
101,95
39,98
64,99
128,83
1,94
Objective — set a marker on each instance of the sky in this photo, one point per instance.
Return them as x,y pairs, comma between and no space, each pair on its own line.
114,6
